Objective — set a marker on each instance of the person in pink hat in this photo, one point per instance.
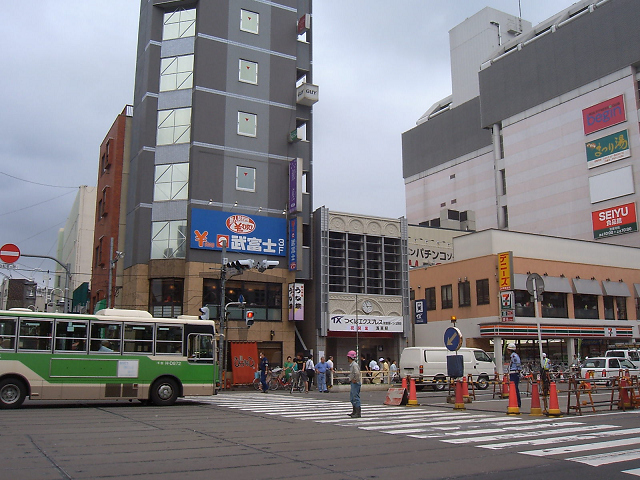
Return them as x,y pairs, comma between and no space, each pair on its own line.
355,378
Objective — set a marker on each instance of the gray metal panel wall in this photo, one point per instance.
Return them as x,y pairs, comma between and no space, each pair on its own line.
445,137
579,52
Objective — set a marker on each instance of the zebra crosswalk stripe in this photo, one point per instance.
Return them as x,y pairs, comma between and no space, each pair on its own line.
584,447
608,458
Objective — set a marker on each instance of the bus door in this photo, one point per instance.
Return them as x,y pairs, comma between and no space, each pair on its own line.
200,348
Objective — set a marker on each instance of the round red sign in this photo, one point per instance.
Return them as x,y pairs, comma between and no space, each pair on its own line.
9,253
240,224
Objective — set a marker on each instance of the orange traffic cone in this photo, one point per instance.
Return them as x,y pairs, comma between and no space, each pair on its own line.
404,383
625,401
536,411
459,405
413,399
465,387
554,408
513,408
505,386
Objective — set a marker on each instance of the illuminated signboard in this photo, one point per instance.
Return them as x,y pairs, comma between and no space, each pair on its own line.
615,221
243,233
505,270
603,115
608,149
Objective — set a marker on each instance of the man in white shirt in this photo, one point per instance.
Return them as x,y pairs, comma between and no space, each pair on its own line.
330,372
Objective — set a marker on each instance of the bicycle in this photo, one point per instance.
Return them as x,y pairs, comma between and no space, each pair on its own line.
298,382
272,382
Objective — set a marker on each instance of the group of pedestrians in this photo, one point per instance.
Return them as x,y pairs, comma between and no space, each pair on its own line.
301,369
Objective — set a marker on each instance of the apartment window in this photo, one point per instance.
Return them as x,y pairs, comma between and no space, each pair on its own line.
179,24
100,208
245,179
247,124
430,297
586,306
249,21
447,296
174,126
99,262
482,292
248,72
171,182
106,160
615,308
176,73
103,205
464,294
168,239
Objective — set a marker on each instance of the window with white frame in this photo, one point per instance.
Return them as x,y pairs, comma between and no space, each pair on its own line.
247,124
168,239
245,179
174,126
249,21
171,182
176,73
248,72
179,24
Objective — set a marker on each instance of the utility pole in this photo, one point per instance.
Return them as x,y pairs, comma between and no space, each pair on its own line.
222,312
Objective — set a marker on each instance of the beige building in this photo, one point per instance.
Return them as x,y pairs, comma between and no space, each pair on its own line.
590,299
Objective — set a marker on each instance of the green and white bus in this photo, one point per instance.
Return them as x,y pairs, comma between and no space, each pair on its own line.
112,355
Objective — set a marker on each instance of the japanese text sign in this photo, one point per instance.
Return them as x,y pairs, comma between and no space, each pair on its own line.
296,301
608,149
614,221
505,270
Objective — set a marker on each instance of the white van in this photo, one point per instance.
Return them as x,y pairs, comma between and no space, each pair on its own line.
428,365
631,355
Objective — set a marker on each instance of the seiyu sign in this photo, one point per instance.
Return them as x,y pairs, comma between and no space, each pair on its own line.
365,323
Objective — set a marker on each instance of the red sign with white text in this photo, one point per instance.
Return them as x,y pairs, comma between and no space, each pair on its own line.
603,115
614,221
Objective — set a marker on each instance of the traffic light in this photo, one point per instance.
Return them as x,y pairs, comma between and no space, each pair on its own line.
248,318
241,264
266,264
205,313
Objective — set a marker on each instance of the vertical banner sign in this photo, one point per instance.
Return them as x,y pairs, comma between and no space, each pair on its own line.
244,362
421,312
295,185
293,244
614,221
604,114
296,302
505,270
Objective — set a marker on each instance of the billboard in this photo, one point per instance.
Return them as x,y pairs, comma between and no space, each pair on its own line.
366,323
608,149
614,221
243,233
603,115
505,270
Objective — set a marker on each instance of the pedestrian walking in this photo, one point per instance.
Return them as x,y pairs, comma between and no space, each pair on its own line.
515,366
393,369
330,372
310,370
321,375
355,379
264,369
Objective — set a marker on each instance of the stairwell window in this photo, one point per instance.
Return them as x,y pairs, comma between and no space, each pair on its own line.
174,126
249,21
179,24
176,73
168,239
247,124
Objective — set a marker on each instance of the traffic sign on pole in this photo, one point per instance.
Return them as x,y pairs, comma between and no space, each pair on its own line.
453,339
9,253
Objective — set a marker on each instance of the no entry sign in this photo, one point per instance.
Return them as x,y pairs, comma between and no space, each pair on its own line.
9,253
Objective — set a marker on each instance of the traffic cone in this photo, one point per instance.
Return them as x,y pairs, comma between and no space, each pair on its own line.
625,401
513,408
404,383
554,408
505,386
465,387
459,405
413,399
536,411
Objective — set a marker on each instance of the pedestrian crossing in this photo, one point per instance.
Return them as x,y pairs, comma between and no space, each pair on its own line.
566,438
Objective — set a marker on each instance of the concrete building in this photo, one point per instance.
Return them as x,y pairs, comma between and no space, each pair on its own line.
541,132
361,279
74,245
590,299
113,173
221,150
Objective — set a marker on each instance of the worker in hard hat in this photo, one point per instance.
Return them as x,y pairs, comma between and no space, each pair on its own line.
355,379
515,366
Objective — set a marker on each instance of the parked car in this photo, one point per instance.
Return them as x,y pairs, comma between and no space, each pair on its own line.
607,367
631,355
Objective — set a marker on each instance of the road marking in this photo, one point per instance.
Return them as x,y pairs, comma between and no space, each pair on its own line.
585,447
634,471
539,433
565,439
608,458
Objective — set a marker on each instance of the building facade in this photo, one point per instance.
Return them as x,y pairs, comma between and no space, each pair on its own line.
108,238
590,298
221,159
361,291
544,137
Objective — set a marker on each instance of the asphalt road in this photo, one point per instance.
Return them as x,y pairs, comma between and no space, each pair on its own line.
249,435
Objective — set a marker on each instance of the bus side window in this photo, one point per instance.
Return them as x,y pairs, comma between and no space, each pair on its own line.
35,334
200,348
105,337
7,334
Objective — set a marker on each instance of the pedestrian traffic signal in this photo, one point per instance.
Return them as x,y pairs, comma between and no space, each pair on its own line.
248,318
205,313
266,264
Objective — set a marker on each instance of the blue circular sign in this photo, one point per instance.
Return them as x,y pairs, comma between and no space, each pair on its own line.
453,339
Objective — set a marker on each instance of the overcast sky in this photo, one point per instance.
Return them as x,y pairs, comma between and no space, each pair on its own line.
68,69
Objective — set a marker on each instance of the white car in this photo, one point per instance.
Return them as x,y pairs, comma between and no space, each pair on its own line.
607,367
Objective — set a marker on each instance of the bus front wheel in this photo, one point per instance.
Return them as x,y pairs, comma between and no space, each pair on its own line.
12,393
164,392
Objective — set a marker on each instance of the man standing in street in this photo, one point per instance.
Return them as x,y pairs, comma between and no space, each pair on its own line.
264,368
321,375
330,372
355,379
514,369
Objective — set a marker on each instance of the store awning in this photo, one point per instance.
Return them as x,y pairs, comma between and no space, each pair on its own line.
587,287
615,289
636,287
551,284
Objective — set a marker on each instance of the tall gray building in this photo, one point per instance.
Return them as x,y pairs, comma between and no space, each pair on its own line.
221,149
